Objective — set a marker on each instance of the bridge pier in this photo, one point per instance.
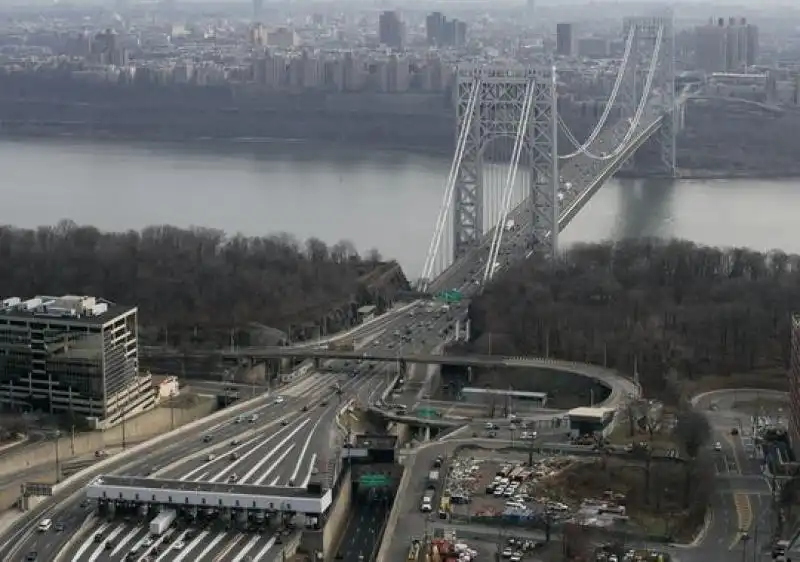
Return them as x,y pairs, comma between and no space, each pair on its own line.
317,363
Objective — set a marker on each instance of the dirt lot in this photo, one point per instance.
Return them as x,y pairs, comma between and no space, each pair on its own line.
653,503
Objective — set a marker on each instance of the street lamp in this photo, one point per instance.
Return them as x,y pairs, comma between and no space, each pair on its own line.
56,437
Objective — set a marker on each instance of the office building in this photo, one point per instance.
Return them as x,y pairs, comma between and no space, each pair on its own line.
441,32
72,355
794,387
391,30
726,48
565,39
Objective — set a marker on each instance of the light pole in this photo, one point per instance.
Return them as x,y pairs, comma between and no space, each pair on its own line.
56,438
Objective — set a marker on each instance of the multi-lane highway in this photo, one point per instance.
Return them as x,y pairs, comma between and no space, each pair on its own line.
288,443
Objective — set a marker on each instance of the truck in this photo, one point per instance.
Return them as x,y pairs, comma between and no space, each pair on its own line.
162,522
433,477
342,345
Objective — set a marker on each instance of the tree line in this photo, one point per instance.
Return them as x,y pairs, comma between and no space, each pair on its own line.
187,283
664,308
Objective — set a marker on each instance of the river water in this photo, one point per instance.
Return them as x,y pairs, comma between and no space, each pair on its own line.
387,200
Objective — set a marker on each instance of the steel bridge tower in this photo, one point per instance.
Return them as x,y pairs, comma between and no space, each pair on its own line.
646,32
497,113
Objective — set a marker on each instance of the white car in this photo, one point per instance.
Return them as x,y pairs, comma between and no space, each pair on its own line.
279,400
717,446
179,545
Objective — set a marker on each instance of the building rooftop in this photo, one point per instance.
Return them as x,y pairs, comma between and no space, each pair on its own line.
76,309
504,392
587,412
211,487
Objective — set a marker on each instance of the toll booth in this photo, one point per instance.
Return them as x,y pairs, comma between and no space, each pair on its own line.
590,421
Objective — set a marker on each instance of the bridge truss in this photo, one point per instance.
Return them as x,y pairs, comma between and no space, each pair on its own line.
509,182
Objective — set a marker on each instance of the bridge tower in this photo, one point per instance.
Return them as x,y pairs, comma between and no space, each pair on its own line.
646,33
500,106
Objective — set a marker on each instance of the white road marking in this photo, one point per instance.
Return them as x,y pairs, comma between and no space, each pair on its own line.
273,466
191,546
310,471
125,540
210,546
89,541
263,551
246,548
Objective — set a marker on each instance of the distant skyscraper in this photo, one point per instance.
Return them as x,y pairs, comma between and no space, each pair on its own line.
258,9
721,48
391,30
565,39
442,32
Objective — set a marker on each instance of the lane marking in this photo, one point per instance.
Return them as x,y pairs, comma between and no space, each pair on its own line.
265,550
101,548
305,448
225,551
744,515
125,540
265,459
310,471
168,549
274,465
210,546
89,541
252,450
246,548
156,544
191,546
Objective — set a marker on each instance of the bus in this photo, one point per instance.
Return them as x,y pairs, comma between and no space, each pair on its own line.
444,507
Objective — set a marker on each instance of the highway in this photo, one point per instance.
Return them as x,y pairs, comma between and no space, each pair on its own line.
269,452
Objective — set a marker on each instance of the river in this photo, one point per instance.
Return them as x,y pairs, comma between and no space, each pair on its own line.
387,200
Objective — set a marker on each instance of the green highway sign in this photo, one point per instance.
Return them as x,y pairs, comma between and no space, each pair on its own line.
450,296
374,480
427,413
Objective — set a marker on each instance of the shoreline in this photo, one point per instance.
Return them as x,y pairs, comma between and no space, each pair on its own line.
252,142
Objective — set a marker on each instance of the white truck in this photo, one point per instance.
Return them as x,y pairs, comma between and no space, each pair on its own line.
162,522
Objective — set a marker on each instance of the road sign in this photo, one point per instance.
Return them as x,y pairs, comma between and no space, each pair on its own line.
37,489
374,480
450,296
427,413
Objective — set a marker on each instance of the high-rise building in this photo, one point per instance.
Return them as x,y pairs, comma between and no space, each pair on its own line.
565,39
72,355
726,48
442,32
391,30
794,387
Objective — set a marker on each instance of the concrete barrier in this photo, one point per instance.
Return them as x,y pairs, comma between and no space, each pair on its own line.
139,428
337,519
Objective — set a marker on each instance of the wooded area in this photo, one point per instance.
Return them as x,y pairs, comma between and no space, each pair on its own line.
185,280
672,308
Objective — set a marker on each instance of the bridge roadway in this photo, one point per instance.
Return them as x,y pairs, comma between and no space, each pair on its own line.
467,271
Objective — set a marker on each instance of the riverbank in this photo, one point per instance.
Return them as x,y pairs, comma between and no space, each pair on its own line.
255,145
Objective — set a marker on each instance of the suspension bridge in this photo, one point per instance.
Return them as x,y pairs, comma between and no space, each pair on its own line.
510,190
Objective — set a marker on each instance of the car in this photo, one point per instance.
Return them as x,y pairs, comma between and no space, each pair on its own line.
59,527
147,542
98,537
284,423
178,545
234,457
279,400
235,442
32,555
207,438
109,545
239,419
735,431
305,408
717,446
323,403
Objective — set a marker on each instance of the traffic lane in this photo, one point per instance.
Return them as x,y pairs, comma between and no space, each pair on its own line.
49,543
363,531
179,446
69,510
174,545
